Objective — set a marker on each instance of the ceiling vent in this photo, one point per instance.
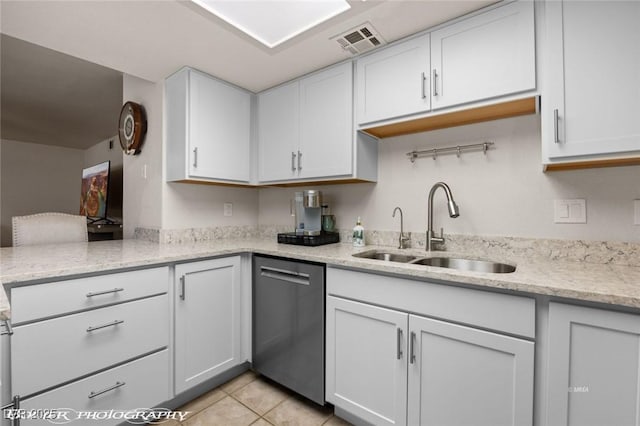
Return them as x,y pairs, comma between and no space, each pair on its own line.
360,39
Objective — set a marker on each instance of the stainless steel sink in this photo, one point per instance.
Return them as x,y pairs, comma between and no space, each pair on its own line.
382,255
466,264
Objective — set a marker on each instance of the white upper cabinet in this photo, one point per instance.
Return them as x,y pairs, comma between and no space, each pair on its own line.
394,81
305,131
591,98
478,59
326,123
489,55
208,129
278,130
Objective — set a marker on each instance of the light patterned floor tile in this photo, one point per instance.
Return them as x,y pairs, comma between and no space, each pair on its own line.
336,421
240,381
298,412
261,422
260,395
226,412
202,402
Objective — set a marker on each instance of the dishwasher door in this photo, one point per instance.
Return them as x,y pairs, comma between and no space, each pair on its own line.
288,324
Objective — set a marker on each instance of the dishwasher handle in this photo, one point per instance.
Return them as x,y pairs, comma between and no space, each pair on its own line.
284,275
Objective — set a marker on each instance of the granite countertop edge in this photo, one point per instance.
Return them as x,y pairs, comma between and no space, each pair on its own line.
600,283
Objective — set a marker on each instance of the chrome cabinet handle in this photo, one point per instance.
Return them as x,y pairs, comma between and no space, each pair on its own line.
299,161
7,325
424,83
412,355
93,394
556,137
399,349
195,157
182,288
98,327
435,82
293,161
100,293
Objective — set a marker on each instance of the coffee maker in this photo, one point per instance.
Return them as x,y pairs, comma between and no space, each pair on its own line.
307,211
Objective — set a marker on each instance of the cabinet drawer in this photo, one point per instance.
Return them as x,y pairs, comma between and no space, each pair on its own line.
45,300
58,350
146,384
477,308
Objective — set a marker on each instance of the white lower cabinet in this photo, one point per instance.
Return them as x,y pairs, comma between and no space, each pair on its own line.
207,320
366,363
133,386
389,367
464,376
408,352
91,340
594,365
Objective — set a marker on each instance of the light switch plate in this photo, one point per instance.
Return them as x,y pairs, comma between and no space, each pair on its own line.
570,211
228,209
636,212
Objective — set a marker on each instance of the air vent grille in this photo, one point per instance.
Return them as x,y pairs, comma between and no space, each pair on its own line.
359,39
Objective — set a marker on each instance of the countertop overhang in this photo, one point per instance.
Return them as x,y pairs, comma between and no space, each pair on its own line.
600,283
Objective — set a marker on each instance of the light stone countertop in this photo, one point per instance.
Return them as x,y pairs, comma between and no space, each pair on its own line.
603,283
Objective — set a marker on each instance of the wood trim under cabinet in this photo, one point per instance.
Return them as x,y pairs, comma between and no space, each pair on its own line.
278,185
610,162
457,118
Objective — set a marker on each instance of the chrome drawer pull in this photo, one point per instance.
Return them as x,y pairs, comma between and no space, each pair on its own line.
424,82
98,327
399,349
435,82
100,293
116,386
556,136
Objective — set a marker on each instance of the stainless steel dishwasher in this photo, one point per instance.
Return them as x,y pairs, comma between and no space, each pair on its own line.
288,324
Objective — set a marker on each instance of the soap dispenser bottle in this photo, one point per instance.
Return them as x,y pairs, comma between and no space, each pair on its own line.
358,234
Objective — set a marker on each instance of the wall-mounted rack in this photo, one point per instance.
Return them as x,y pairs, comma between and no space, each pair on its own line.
458,149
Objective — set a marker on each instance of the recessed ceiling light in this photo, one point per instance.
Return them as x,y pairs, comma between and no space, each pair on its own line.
273,22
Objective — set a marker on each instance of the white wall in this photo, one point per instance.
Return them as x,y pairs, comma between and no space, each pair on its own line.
503,193
201,206
109,150
37,178
142,196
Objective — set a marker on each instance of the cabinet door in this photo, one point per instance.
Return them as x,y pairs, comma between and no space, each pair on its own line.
219,129
326,123
594,365
394,81
207,320
278,133
366,361
591,101
464,376
489,55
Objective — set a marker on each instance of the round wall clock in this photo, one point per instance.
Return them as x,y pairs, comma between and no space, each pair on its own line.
133,127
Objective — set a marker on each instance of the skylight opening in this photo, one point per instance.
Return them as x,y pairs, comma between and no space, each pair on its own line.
272,22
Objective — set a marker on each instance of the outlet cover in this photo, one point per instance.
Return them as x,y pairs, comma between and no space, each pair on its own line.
570,211
228,209
636,212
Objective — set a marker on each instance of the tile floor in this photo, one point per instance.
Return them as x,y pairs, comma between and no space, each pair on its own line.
253,400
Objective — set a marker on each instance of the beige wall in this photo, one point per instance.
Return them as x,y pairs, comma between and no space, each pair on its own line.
37,178
142,196
503,193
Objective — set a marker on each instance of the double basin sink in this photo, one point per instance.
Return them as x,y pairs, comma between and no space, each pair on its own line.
461,264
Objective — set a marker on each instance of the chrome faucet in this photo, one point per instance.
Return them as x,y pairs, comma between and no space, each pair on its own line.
453,212
402,239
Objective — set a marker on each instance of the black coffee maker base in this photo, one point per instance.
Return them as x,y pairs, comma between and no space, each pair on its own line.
309,240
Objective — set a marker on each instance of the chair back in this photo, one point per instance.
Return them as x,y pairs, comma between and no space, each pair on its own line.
48,228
